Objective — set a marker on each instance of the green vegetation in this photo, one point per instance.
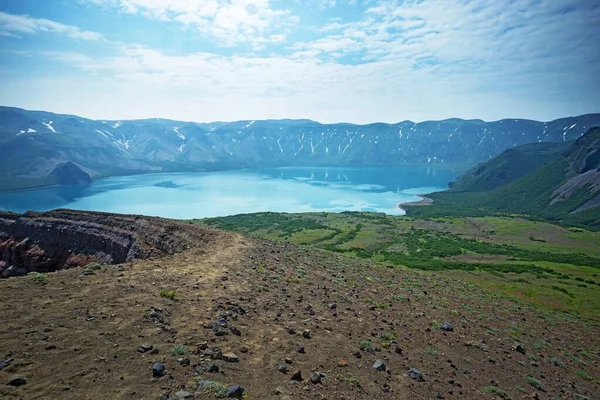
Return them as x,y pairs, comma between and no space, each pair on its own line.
534,382
167,294
496,391
179,350
560,269
39,277
366,345
509,166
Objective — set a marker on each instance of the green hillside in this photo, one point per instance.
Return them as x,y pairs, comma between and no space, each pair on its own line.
509,166
558,191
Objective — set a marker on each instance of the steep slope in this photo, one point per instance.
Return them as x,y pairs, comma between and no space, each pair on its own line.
566,189
33,143
509,166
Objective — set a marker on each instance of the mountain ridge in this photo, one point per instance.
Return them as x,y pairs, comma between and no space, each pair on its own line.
34,143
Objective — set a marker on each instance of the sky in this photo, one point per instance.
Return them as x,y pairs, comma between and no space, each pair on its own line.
356,61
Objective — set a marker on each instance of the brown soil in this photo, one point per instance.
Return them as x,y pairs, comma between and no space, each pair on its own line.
77,336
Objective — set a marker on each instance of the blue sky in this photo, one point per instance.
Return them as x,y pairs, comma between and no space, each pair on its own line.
329,60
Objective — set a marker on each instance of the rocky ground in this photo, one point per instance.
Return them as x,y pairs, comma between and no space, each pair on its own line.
281,322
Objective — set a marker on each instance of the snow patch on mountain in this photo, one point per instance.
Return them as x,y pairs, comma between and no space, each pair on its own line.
181,135
49,126
102,133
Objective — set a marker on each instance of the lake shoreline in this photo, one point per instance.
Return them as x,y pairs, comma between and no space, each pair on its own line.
425,201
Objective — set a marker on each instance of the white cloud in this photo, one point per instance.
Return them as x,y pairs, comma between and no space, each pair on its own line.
230,22
13,25
399,60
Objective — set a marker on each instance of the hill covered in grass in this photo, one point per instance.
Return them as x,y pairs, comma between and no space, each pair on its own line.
509,166
565,190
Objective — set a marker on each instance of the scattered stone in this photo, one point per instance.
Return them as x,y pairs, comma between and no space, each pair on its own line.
202,345
519,348
357,354
235,331
415,374
306,333
145,347
315,378
291,331
217,354
556,362
386,388
243,349
283,368
158,370
220,331
332,306
17,380
184,361
379,365
155,315
288,360
300,349
398,350
446,326
296,375
234,392
5,363
230,357
342,363
183,395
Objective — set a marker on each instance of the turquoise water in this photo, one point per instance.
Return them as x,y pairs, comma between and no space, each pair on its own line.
209,194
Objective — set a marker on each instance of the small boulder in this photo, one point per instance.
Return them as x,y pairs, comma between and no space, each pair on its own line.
300,349
234,392
306,333
283,368
519,348
158,370
296,375
447,327
230,357
145,347
183,395
415,374
17,380
315,378
379,365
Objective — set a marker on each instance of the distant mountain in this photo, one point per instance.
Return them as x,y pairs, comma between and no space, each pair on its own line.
34,143
509,166
566,189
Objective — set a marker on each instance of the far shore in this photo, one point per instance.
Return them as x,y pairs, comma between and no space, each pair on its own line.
425,201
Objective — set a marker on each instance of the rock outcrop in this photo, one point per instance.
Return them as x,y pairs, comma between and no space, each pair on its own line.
59,239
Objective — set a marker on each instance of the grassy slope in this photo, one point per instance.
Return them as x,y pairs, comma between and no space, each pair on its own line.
538,262
529,195
509,166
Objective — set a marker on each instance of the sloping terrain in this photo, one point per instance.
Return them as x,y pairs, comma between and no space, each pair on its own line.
258,311
33,144
509,166
564,190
